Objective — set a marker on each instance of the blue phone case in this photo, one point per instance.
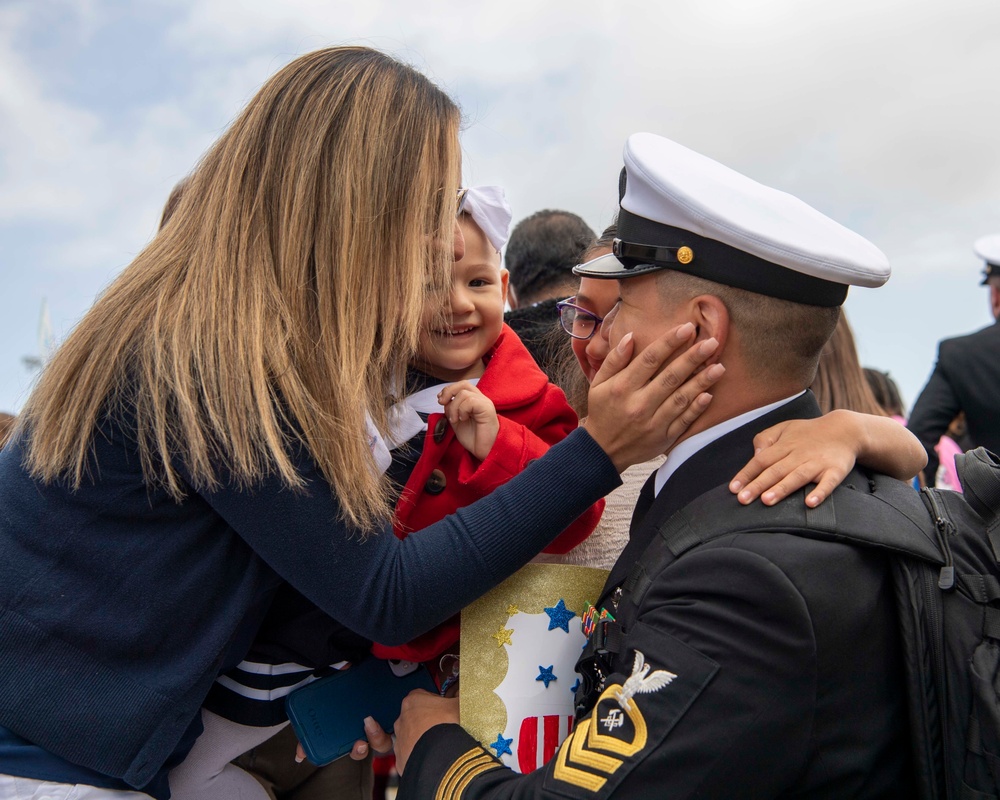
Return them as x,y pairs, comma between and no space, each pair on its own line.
328,714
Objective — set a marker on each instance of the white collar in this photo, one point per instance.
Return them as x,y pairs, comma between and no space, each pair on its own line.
405,422
424,401
683,451
406,417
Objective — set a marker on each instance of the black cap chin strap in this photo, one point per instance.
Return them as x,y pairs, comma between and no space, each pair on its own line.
632,255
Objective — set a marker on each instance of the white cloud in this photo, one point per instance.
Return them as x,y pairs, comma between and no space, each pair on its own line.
36,136
879,112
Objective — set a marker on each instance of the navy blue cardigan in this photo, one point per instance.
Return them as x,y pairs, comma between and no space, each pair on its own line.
118,604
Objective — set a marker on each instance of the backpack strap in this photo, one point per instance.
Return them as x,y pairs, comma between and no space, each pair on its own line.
979,472
866,510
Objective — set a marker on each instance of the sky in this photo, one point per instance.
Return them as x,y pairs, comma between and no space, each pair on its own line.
883,114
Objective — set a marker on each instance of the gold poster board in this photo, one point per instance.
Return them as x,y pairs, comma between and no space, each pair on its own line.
519,645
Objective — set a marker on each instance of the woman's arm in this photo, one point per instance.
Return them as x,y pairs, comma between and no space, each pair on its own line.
524,434
822,451
392,590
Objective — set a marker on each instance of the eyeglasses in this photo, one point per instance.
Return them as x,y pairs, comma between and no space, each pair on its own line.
577,322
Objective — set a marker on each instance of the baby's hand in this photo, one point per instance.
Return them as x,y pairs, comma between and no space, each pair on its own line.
795,453
472,415
823,451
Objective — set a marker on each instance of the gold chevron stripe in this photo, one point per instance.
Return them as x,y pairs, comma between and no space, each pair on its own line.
580,754
472,774
563,772
603,741
446,789
462,777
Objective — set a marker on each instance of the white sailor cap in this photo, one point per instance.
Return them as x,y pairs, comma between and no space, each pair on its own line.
988,249
685,212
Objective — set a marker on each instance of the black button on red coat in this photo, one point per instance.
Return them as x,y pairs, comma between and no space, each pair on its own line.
436,482
440,429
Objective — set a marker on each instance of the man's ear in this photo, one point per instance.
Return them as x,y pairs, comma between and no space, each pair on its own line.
711,320
995,300
509,294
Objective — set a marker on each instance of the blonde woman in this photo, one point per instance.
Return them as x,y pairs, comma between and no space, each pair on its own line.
217,423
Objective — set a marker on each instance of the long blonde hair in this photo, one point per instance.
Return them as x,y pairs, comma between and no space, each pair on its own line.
840,381
281,301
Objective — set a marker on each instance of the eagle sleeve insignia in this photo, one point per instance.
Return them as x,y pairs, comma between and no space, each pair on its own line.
641,681
624,726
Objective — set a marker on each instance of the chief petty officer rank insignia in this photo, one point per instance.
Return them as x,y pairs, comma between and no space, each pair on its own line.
616,729
633,714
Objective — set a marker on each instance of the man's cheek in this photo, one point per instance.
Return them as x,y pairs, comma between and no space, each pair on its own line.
620,325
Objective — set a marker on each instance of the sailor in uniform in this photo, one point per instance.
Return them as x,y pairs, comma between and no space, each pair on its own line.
757,665
966,377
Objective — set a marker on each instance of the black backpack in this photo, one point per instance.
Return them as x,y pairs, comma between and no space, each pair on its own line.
946,574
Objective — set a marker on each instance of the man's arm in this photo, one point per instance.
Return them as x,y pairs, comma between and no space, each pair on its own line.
714,699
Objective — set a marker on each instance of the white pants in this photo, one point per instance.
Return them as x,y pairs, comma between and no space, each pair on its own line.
13,788
206,774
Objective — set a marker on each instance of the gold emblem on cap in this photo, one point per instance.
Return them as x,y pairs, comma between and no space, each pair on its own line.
685,255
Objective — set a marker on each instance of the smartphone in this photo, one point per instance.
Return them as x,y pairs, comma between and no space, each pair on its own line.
328,714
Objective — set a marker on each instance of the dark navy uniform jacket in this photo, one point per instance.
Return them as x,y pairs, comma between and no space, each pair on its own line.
759,666
965,378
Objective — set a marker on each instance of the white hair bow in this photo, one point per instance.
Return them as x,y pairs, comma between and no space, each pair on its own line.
488,206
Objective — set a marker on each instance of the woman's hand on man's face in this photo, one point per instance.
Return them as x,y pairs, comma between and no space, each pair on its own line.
638,406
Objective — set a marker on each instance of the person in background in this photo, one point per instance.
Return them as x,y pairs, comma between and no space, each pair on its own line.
584,351
954,442
540,256
886,393
840,381
966,377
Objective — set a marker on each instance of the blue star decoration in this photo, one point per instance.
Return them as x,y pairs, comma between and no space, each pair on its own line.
559,616
575,686
545,675
502,745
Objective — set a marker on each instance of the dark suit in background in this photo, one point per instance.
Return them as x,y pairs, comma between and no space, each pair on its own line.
965,378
